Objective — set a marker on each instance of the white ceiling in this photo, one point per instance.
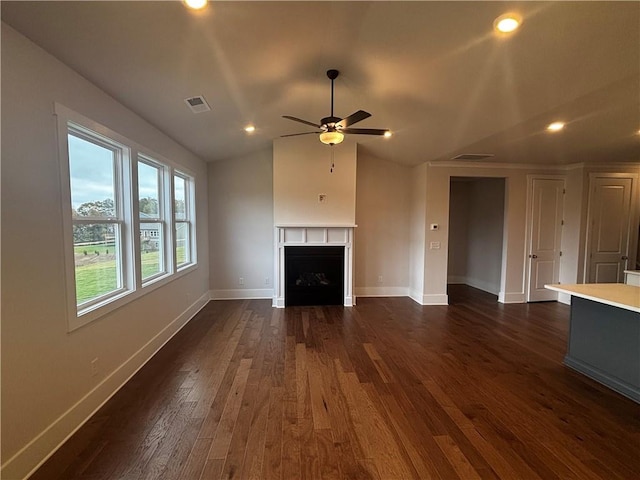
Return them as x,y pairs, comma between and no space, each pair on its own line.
432,72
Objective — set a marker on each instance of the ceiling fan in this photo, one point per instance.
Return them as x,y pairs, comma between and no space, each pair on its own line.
332,128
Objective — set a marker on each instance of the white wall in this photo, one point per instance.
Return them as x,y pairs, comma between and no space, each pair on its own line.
302,171
241,226
574,229
417,234
383,203
47,387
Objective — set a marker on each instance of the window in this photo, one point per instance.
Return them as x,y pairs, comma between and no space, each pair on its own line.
152,219
183,225
95,165
129,216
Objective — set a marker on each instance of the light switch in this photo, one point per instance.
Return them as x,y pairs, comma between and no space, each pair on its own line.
434,245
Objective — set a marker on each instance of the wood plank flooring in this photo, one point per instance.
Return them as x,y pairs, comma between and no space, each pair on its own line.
385,390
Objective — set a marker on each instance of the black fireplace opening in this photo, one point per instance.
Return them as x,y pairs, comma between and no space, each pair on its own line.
314,275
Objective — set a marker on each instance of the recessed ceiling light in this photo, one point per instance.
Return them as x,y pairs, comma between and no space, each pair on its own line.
195,4
555,126
387,134
507,23
249,129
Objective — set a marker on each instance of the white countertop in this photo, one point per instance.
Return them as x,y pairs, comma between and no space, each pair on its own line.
615,294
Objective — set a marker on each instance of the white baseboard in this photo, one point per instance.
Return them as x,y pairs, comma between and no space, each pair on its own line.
29,458
242,294
416,296
432,299
435,299
508,297
381,291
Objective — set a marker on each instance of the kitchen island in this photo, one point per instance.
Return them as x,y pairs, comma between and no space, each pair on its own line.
604,334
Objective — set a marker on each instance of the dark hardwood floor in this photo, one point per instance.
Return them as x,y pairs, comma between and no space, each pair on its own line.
385,390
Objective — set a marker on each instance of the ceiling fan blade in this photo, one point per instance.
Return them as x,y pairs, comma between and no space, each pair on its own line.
354,118
301,121
296,134
364,131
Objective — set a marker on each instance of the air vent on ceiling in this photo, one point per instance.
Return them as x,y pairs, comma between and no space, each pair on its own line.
197,104
472,156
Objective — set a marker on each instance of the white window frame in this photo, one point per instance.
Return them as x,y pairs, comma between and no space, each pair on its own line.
121,160
165,238
128,218
189,197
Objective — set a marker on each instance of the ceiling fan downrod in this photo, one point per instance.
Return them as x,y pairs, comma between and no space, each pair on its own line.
332,74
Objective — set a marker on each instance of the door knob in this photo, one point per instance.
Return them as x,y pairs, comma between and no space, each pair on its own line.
533,256
624,257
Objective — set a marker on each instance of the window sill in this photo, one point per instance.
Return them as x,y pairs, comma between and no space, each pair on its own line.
100,310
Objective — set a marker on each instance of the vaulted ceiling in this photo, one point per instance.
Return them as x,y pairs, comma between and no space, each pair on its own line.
434,73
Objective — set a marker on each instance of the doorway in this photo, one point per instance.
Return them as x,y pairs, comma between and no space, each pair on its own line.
476,227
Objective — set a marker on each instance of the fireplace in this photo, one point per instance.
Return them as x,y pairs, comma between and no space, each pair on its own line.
314,275
313,265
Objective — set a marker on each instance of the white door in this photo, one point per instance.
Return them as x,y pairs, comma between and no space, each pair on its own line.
608,229
547,201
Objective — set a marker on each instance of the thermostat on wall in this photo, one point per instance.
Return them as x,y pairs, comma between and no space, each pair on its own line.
433,226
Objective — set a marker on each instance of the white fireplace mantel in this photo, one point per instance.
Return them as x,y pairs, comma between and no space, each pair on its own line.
313,235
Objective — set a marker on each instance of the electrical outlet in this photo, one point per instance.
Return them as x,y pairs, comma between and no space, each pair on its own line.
94,367
266,281
241,281
379,278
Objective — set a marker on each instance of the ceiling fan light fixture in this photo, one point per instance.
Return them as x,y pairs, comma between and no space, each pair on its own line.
331,138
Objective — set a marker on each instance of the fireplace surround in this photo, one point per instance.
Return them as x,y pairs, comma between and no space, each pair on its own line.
333,238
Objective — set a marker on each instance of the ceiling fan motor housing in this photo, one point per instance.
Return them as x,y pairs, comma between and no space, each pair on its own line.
330,121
